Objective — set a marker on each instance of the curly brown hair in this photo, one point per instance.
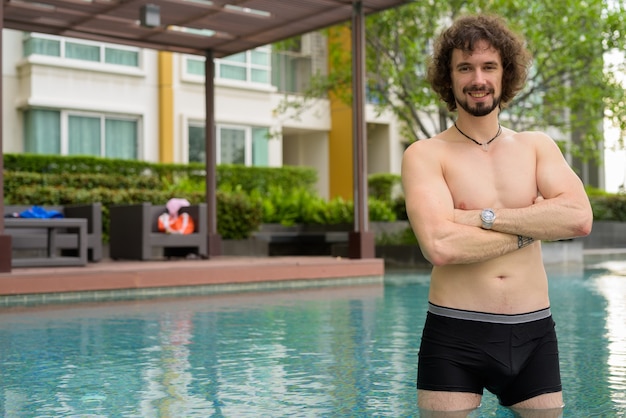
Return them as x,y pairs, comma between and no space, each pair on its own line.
464,33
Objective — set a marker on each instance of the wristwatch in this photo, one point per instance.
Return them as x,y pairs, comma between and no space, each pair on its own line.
487,216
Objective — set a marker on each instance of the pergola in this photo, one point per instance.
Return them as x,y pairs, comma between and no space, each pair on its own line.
214,29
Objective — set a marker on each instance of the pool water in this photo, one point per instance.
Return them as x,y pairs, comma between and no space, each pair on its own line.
325,352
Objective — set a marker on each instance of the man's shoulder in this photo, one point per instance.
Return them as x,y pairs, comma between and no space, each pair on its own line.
422,149
428,143
531,135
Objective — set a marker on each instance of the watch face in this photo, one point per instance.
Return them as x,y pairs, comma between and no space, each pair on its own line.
488,215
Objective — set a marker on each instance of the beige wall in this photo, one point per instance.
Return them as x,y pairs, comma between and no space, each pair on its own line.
298,139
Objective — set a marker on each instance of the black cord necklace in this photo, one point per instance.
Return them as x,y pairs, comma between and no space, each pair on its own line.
485,145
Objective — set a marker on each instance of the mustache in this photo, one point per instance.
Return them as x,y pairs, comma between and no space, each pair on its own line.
478,90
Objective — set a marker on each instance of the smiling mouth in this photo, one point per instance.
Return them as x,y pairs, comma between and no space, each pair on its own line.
478,94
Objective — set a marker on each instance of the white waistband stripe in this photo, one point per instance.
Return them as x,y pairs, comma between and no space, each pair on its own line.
489,317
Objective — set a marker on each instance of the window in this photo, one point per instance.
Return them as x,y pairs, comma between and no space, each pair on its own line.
260,150
42,130
195,66
42,46
120,138
291,72
54,46
68,133
251,66
232,145
197,150
82,51
121,57
83,134
235,145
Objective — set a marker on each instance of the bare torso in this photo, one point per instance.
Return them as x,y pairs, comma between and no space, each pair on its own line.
503,177
513,283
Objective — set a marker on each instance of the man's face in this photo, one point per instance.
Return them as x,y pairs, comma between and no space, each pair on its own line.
477,79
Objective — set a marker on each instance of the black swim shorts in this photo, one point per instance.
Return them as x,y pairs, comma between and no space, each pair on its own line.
515,357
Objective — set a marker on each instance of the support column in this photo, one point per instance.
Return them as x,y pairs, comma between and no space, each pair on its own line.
214,240
361,241
5,240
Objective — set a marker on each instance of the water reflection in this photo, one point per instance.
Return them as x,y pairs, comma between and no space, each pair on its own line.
613,288
341,351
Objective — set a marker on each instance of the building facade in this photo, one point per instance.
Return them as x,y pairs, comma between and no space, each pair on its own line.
67,96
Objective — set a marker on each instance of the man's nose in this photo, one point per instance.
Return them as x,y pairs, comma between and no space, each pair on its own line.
479,77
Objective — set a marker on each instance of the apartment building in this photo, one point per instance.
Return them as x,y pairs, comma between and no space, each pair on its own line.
75,97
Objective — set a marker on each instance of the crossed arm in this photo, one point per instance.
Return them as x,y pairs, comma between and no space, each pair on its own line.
560,211
559,217
454,236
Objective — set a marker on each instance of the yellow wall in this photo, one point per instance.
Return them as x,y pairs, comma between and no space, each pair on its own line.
166,108
340,138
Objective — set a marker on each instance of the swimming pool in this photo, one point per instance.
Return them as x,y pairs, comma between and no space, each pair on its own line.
325,352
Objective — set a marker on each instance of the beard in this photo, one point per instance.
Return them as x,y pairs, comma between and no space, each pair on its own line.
480,109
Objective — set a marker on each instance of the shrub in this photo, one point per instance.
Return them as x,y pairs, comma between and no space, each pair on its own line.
381,185
388,187
284,206
610,207
336,211
263,179
300,206
238,216
404,237
381,211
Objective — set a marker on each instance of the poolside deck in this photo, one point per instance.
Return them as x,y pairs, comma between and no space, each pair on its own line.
110,279
243,272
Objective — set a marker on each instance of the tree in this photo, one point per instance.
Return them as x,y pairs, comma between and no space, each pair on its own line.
569,87
569,90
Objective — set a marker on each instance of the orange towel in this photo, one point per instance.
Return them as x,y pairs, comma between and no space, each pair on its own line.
181,224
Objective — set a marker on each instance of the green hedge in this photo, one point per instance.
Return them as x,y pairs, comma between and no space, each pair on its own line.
164,175
238,216
403,237
381,185
19,179
609,207
262,179
300,206
50,164
246,196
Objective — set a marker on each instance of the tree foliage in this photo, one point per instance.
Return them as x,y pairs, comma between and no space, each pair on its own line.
570,87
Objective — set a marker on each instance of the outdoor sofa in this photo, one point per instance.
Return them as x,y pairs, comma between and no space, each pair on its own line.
59,237
133,233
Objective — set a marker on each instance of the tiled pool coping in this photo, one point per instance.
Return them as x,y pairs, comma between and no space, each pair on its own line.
158,292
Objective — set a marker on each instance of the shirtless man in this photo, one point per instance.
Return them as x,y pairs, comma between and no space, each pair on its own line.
480,198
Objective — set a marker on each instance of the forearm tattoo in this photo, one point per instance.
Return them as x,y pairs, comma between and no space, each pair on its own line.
524,241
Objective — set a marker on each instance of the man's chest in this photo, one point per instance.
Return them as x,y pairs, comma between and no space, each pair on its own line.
496,180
